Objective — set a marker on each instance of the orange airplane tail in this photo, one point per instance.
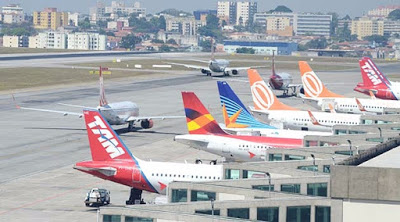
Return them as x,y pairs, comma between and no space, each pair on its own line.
313,86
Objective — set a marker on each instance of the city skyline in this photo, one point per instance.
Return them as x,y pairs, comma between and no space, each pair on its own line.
354,9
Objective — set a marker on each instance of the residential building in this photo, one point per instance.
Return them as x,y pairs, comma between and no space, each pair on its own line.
391,27
73,19
12,13
280,26
117,9
181,40
260,18
49,18
183,25
261,47
366,26
202,14
86,41
97,13
245,13
226,11
49,40
312,24
15,41
382,11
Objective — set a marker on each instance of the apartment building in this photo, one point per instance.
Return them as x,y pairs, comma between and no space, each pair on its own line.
366,26
280,26
236,13
382,11
391,27
312,24
50,18
183,25
11,14
15,41
226,11
86,41
116,10
48,40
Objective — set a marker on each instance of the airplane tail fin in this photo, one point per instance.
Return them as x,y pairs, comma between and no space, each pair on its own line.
199,120
234,111
104,142
313,86
371,75
103,100
212,49
263,97
273,63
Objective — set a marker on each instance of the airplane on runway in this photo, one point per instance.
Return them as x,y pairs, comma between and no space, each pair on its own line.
112,160
375,83
239,120
205,134
219,67
118,113
317,95
267,104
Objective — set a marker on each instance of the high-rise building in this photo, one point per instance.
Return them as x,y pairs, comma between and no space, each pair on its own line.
391,27
116,10
245,12
12,14
382,11
183,25
202,14
312,24
226,11
86,41
366,26
281,26
49,18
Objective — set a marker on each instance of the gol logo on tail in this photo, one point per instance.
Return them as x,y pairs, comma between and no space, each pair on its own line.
263,97
312,84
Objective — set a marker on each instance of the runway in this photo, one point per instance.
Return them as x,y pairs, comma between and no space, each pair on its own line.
39,149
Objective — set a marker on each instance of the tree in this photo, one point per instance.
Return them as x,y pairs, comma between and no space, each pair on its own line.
394,15
157,41
129,41
319,43
379,39
206,45
334,23
212,21
85,24
245,50
23,29
212,28
164,48
282,8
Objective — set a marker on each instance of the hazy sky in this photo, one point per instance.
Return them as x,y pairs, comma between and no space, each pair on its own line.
343,7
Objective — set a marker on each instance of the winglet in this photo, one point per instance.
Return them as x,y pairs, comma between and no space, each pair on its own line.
372,94
263,97
313,86
360,106
331,108
15,102
313,119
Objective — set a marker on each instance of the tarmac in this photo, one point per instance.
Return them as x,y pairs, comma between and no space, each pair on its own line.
37,182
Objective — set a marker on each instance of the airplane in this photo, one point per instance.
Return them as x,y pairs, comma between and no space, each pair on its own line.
118,113
317,95
268,105
239,120
375,83
282,81
113,161
214,66
205,134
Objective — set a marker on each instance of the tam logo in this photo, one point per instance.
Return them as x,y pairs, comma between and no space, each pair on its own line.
372,75
106,138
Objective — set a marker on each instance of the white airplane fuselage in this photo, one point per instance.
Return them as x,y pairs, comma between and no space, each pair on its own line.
218,65
118,113
282,133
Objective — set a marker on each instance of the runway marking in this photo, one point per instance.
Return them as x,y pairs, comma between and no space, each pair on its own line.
45,199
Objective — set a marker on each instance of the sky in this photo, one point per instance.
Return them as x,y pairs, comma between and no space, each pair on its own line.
342,7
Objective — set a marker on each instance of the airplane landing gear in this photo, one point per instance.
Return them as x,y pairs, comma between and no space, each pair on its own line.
135,197
131,126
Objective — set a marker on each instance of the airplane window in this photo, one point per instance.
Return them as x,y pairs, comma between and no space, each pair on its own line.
161,175
170,175
239,145
214,178
209,177
157,174
152,174
218,178
192,176
197,177
201,177
174,175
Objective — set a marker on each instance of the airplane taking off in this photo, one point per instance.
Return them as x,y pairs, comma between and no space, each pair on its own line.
282,81
119,113
112,160
317,95
267,104
238,119
375,82
205,134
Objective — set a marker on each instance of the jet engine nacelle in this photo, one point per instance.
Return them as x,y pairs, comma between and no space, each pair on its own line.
146,124
204,71
235,72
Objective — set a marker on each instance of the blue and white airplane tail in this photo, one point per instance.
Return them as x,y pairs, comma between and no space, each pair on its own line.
235,113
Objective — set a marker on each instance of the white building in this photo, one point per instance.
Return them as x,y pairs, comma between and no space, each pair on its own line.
73,18
183,25
12,14
391,27
49,40
312,24
382,11
226,11
86,41
245,12
15,41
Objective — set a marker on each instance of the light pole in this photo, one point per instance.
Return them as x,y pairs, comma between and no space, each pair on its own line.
351,152
269,184
333,160
380,134
212,206
313,157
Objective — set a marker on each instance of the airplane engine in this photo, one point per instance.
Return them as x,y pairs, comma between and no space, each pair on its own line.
146,124
234,72
203,71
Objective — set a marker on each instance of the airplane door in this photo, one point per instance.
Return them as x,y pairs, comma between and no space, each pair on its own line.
136,175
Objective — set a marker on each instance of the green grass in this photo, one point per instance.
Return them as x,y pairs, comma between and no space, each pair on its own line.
5,50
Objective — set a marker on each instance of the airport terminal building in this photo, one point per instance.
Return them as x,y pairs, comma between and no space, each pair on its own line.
261,47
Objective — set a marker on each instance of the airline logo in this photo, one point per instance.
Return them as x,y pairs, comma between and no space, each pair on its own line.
200,122
230,122
106,138
262,96
312,84
372,75
313,119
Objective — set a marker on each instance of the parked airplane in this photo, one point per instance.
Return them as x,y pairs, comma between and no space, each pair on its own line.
375,82
205,134
239,120
316,94
267,104
282,81
112,160
220,67
119,113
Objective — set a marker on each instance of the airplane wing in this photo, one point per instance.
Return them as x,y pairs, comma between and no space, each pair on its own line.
243,68
138,118
294,85
77,106
190,66
65,113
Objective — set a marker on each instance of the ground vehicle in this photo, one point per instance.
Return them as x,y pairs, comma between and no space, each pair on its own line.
97,197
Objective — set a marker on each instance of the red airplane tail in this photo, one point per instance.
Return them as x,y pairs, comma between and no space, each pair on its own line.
199,120
371,75
105,144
